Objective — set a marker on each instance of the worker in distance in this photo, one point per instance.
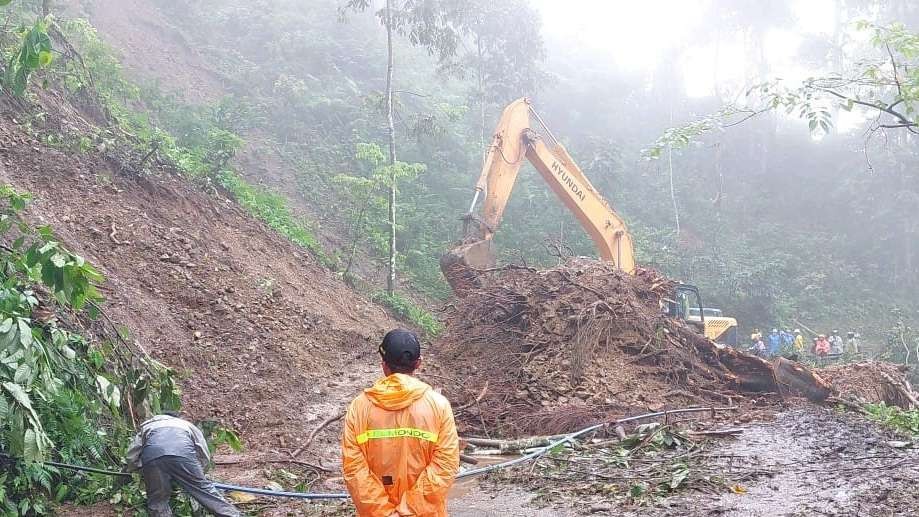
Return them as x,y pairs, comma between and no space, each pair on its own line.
400,450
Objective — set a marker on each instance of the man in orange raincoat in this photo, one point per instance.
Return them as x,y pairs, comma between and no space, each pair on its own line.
400,451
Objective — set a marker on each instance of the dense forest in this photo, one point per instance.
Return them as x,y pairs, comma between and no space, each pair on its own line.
777,222
763,151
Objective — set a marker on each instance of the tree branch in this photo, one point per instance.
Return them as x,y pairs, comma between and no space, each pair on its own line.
893,63
750,115
886,109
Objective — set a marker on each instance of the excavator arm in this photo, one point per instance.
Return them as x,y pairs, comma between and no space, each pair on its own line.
514,140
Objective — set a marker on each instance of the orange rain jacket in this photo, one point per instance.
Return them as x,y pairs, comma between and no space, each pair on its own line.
400,451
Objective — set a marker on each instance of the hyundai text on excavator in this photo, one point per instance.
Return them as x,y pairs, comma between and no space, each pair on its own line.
514,140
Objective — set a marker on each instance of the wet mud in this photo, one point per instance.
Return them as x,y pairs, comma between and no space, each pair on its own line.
817,461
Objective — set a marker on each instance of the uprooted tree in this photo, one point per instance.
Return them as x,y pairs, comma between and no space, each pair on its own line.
571,345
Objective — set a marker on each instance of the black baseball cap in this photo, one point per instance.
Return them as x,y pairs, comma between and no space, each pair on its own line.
400,347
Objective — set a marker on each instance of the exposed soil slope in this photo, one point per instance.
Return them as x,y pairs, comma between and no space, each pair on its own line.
150,47
260,334
154,50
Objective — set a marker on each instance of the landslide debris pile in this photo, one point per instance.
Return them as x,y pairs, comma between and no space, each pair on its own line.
872,382
549,350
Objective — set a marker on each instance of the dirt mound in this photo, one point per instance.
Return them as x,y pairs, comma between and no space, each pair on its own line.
545,351
871,382
258,332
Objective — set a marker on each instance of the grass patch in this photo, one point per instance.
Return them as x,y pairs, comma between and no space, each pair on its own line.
410,311
274,211
903,421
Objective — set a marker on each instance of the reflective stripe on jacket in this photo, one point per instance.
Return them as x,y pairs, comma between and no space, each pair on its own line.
400,451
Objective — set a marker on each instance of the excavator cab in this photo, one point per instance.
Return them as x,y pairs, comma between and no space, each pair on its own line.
686,305
686,297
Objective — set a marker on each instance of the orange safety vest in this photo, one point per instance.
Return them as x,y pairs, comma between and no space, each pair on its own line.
400,450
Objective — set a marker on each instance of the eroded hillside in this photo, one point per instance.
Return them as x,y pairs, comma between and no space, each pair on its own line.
257,331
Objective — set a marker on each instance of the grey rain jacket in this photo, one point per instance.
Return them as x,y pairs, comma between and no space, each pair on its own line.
165,435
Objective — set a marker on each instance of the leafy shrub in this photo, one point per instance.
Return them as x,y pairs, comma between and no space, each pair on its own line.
906,422
34,53
59,391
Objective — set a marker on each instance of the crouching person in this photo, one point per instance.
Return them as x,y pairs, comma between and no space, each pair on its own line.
169,449
400,451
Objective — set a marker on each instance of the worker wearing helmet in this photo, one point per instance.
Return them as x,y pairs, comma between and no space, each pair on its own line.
836,343
775,342
799,341
400,450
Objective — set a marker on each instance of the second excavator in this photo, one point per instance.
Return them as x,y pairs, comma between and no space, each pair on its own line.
516,139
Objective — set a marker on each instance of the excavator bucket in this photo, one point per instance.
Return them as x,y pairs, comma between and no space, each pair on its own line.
459,265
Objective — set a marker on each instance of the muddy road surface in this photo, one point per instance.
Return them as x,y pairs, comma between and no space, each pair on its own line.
818,462
806,461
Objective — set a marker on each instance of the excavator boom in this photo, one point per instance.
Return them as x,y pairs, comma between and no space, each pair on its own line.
515,140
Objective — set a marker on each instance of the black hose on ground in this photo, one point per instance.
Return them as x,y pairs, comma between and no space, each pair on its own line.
469,473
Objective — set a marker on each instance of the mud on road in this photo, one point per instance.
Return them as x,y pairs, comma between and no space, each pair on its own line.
820,462
806,461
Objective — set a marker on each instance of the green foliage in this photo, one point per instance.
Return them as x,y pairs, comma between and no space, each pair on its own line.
488,48
34,53
100,72
902,343
904,421
426,23
367,197
884,84
217,435
410,311
58,391
273,209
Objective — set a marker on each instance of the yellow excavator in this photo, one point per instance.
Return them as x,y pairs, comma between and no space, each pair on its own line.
516,140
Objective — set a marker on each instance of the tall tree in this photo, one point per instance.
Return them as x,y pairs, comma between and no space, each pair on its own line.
502,53
426,23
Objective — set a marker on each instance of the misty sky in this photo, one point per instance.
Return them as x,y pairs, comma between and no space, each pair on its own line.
634,35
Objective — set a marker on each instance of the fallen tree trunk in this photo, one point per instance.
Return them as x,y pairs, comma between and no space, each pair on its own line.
505,446
797,377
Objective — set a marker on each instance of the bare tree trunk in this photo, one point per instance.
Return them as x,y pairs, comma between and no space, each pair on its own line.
908,269
482,101
391,134
358,232
676,209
